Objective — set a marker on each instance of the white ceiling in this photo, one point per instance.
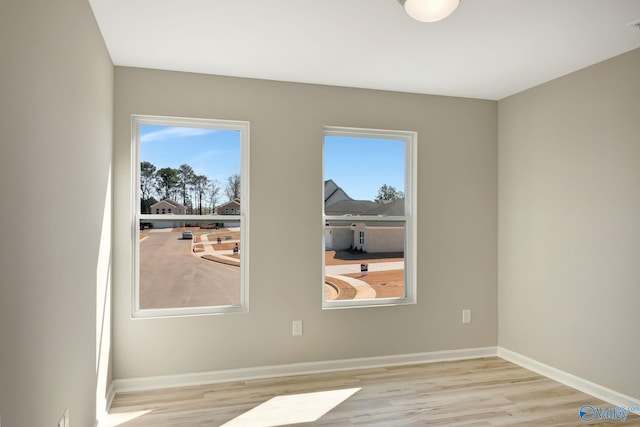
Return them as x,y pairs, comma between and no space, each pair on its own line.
486,49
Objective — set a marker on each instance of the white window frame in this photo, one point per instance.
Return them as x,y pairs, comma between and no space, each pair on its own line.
243,126
410,139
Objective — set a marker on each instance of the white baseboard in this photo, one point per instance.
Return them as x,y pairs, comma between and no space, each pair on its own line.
595,390
166,381
111,394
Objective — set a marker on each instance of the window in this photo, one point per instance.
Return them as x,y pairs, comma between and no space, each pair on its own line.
369,190
226,211
189,263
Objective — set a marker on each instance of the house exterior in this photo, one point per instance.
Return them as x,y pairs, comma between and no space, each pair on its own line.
367,236
333,193
232,207
168,207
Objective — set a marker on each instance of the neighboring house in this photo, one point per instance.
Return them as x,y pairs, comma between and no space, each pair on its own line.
367,236
167,207
232,207
333,193
350,207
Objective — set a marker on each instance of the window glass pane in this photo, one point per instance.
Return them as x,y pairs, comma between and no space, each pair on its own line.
364,176
364,260
189,264
192,170
366,218
187,254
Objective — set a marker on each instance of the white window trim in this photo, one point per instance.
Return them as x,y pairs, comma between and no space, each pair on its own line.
243,217
410,139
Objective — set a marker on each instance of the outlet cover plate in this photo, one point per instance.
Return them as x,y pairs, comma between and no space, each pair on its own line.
297,328
466,316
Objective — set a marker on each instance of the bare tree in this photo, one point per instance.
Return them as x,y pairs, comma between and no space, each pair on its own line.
200,183
233,187
213,194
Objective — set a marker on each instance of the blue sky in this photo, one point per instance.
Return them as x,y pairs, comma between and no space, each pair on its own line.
362,165
211,152
359,165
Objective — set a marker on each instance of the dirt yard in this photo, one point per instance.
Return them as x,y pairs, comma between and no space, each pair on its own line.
388,284
346,257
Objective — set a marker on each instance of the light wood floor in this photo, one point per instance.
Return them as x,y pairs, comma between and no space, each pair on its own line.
479,392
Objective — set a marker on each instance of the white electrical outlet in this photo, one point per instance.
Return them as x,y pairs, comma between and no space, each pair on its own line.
297,328
466,316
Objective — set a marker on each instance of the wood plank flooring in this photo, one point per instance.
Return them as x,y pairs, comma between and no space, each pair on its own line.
478,392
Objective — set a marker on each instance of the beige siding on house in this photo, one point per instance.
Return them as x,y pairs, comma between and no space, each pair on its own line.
338,237
230,208
169,208
380,239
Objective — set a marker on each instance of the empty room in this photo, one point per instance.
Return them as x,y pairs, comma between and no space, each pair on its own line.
320,212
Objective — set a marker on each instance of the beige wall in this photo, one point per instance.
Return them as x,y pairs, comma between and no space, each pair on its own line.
457,226
569,202
569,223
56,118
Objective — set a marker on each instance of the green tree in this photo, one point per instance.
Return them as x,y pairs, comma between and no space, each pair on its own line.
167,183
186,177
388,192
147,185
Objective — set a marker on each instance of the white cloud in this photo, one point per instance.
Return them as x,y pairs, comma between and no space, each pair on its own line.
175,132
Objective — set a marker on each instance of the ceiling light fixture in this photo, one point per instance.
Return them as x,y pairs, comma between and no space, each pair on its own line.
429,10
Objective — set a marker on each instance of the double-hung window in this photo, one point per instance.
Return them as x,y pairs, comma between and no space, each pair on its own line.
369,217
187,259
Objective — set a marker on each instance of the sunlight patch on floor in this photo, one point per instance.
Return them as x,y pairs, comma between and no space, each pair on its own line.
293,409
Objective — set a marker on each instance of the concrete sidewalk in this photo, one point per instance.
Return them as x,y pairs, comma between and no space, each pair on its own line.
209,249
363,289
